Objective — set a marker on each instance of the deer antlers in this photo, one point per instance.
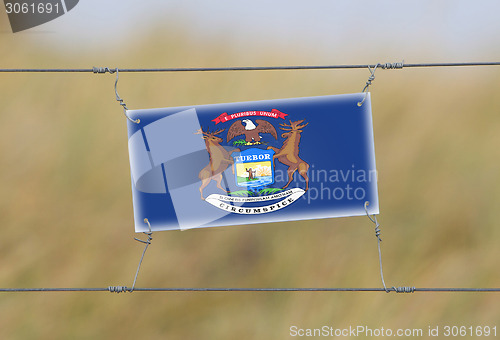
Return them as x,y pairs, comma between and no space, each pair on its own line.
208,133
293,126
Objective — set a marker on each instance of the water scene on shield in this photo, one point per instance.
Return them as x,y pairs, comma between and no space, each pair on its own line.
254,174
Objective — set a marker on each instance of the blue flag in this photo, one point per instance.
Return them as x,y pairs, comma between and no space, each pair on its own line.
252,162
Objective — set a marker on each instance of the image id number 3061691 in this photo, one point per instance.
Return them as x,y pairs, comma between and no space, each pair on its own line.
32,8
461,331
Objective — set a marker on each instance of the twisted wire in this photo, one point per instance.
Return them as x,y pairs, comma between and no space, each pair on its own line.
117,289
250,68
147,242
102,70
379,239
118,99
404,289
369,82
377,234
392,66
371,67
120,289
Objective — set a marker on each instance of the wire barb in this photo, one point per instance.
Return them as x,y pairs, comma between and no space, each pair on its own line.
117,289
102,70
404,289
392,66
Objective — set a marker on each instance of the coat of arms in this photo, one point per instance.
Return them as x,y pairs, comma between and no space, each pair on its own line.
253,163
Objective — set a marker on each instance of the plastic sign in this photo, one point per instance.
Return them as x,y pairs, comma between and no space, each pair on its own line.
252,162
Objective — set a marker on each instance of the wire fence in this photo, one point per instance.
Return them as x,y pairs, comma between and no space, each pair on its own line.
371,67
397,65
123,289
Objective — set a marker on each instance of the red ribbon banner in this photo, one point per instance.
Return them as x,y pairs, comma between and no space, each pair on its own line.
224,117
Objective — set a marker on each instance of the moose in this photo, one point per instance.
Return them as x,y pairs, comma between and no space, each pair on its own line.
220,159
289,152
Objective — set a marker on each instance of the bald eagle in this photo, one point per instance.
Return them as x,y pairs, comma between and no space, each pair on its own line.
250,130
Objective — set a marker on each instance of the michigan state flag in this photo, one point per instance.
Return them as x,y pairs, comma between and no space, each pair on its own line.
252,162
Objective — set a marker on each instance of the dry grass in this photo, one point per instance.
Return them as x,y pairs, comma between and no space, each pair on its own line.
66,211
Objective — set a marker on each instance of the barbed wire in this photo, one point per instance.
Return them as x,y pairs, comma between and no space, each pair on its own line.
398,65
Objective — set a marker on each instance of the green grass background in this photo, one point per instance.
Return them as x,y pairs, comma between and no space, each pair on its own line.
66,207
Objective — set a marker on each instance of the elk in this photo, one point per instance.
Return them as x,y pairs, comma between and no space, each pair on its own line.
220,159
289,152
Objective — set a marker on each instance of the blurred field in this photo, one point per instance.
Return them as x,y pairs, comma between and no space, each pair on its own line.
66,209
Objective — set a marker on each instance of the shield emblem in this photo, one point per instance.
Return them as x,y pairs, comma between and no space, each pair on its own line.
254,168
